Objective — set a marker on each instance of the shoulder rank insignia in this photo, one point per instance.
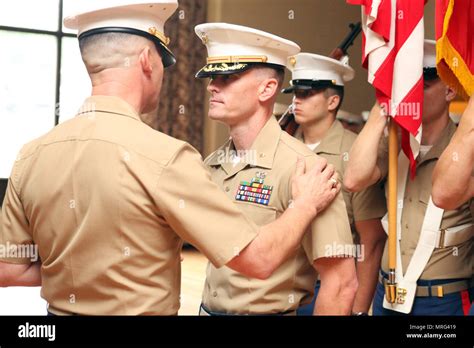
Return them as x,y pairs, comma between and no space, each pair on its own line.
255,191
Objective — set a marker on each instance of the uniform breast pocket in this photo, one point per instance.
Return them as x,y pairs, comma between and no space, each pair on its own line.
259,214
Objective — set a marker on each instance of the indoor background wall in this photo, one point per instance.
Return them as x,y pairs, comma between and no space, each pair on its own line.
180,113
318,26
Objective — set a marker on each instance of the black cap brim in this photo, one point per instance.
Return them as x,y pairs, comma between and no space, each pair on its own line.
430,73
212,69
222,69
167,56
307,85
291,89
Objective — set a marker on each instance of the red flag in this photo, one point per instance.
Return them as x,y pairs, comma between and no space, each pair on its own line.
455,44
393,54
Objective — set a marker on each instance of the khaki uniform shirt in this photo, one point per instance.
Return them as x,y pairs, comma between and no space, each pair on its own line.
260,187
108,200
445,263
365,205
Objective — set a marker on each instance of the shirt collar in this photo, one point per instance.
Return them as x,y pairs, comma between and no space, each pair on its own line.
331,143
261,153
108,104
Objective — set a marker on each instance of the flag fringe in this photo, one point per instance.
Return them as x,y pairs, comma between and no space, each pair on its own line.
457,75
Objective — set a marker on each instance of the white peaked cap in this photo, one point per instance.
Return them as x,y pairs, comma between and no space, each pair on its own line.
323,71
429,57
429,60
234,48
144,18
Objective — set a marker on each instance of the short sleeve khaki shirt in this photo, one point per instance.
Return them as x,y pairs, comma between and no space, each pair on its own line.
108,201
259,185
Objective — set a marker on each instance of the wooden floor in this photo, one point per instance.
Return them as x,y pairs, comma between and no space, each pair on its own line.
193,274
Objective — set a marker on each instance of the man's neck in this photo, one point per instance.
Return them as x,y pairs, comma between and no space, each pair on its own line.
432,131
244,133
108,84
315,132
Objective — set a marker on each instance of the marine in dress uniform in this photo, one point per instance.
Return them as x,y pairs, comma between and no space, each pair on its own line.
457,162
313,76
435,248
256,180
109,201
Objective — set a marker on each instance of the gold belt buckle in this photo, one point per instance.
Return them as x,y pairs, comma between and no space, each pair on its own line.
401,293
440,291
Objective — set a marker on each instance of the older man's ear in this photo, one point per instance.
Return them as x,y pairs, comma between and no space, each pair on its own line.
145,60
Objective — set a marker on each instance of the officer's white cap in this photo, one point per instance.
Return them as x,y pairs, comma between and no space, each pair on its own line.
234,48
144,18
429,57
316,71
429,60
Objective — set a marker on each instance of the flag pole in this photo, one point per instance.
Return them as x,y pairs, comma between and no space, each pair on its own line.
391,288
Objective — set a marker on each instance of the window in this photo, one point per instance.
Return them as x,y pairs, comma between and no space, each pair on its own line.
42,79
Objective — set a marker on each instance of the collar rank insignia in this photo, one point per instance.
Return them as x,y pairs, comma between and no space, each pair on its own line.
255,191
